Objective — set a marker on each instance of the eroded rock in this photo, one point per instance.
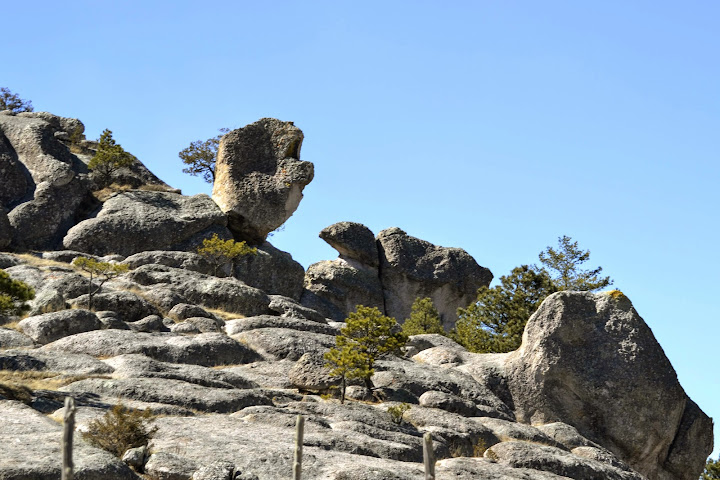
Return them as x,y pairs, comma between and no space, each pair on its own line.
259,177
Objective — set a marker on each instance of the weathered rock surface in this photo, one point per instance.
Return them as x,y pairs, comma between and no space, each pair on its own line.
272,271
259,177
284,343
586,357
56,362
187,260
52,326
353,241
135,221
233,327
172,392
412,268
140,366
227,294
207,349
335,288
31,449
16,178
287,307
10,338
310,373
5,229
129,306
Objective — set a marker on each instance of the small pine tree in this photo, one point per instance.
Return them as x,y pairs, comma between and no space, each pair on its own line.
12,102
220,252
424,318
104,271
712,470
120,429
13,294
496,321
366,336
564,266
200,157
109,158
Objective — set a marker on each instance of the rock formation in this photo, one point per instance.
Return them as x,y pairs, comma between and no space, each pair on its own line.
229,361
259,177
135,221
390,273
584,358
412,268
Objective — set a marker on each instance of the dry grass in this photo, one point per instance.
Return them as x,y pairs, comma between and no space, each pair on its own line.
37,380
13,326
35,261
150,187
223,314
107,192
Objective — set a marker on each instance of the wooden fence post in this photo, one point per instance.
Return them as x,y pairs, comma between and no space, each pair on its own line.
428,457
67,441
297,464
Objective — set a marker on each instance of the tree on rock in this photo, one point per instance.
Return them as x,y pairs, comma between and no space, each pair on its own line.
12,102
366,336
495,322
103,271
200,157
109,158
13,294
564,266
424,318
220,252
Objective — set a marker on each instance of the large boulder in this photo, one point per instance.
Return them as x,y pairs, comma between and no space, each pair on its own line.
590,360
272,271
5,229
335,287
52,326
137,220
412,268
354,241
259,177
15,177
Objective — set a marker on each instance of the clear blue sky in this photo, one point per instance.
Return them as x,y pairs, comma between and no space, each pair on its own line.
491,126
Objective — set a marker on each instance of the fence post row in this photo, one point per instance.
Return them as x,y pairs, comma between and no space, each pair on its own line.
428,457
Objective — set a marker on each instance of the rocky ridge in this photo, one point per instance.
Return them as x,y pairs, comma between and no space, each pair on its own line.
230,360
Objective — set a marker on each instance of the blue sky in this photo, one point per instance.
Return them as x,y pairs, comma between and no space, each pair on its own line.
492,126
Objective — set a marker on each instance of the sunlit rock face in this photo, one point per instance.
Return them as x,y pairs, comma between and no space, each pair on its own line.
259,177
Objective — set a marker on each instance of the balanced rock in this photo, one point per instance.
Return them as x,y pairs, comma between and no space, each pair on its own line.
412,268
136,221
353,241
259,177
590,360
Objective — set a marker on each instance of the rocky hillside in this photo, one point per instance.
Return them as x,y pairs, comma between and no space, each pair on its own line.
228,359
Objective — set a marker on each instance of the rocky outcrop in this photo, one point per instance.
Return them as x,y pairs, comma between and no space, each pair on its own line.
5,229
259,177
587,358
137,221
16,179
53,326
353,241
411,268
334,288
272,271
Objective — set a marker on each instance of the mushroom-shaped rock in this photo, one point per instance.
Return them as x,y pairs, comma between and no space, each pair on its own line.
589,360
412,268
353,241
259,177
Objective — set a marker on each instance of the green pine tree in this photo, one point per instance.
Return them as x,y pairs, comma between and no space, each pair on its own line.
424,318
109,158
220,252
496,321
712,470
100,271
11,101
564,267
200,157
366,336
13,294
